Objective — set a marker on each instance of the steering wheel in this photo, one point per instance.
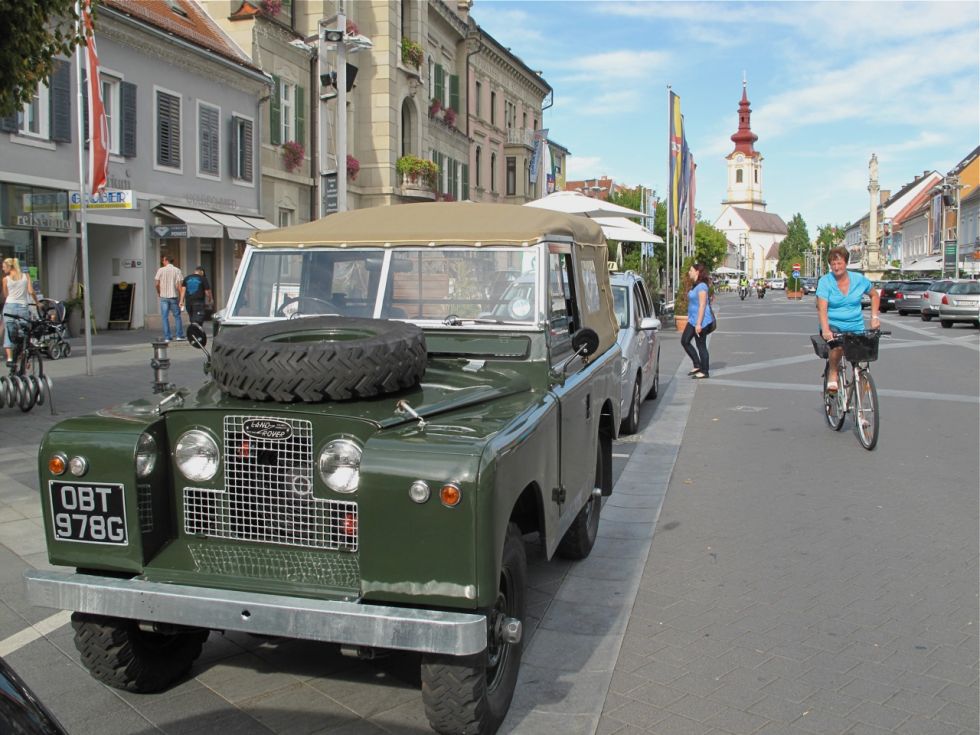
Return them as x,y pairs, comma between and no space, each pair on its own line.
331,308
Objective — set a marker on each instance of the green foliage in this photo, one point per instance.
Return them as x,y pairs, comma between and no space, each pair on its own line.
680,299
33,33
412,53
710,245
417,168
794,245
793,284
828,236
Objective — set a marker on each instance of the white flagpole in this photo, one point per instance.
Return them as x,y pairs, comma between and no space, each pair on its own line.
83,191
670,201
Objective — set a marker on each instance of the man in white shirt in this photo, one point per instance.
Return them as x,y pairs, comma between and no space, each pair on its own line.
168,279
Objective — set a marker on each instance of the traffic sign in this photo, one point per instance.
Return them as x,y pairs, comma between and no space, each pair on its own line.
796,266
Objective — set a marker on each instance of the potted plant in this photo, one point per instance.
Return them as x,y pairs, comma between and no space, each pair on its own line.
450,117
435,106
681,301
794,287
417,170
353,166
292,155
271,7
412,54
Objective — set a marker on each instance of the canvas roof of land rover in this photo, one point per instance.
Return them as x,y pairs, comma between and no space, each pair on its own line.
445,226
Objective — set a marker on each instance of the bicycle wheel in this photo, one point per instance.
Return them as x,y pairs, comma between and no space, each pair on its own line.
866,409
833,401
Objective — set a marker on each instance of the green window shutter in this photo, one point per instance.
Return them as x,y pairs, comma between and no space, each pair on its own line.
440,91
247,151
233,150
301,116
275,113
466,182
127,121
208,142
454,91
59,109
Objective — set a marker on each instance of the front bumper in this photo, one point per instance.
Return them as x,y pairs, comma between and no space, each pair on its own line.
348,623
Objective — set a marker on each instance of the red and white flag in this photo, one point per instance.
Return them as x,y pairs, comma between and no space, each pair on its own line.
98,149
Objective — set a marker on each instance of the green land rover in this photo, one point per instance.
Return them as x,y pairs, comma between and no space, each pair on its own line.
382,421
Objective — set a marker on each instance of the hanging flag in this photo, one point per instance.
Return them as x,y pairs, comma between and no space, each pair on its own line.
540,137
685,185
98,148
691,189
676,142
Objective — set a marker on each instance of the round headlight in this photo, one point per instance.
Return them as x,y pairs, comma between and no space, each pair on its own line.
196,455
78,466
340,465
146,455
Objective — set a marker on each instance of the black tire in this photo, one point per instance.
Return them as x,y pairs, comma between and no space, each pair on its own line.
947,324
118,653
631,421
927,317
55,351
833,408
465,695
655,387
318,358
66,349
866,416
580,537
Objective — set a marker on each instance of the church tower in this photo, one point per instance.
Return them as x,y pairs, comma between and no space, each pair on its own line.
745,163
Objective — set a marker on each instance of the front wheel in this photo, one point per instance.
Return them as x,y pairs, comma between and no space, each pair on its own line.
866,410
631,422
926,317
947,323
119,653
580,537
833,401
466,695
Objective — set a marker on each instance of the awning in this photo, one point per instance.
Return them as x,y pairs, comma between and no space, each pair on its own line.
933,263
198,223
214,224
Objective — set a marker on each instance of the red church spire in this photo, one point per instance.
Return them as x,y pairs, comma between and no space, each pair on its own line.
744,138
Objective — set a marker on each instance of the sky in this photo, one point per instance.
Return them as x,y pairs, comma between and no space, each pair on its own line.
830,83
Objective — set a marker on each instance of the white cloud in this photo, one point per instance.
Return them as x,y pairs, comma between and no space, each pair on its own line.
622,66
580,167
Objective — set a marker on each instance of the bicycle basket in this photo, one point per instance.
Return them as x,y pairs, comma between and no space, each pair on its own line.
861,346
820,346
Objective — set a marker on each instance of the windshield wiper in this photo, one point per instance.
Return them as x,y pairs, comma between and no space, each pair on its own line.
455,321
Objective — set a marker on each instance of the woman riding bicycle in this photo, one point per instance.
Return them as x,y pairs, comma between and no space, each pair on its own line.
839,306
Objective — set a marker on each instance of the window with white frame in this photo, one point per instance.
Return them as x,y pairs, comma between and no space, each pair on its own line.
287,112
33,117
287,98
285,217
241,162
111,102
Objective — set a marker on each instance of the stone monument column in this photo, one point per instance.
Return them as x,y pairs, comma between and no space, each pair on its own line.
872,261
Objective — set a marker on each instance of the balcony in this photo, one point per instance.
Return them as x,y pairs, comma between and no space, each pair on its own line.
520,136
416,187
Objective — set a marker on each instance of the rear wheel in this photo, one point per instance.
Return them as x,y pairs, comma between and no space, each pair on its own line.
119,653
926,317
946,323
471,694
655,387
866,410
833,401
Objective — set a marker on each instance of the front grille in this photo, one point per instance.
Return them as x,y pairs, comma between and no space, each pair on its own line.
268,493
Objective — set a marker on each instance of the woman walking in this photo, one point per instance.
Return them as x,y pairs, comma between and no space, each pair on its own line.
18,295
700,321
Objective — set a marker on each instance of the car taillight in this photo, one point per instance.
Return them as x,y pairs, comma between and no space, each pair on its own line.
945,300
898,295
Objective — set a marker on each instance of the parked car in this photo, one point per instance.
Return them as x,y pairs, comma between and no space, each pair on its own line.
21,712
888,289
372,442
778,284
908,297
639,344
866,296
961,303
809,284
932,296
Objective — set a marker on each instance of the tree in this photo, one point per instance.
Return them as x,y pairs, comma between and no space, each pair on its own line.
710,245
794,245
828,236
33,33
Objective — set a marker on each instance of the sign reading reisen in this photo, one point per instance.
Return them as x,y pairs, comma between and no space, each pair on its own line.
108,199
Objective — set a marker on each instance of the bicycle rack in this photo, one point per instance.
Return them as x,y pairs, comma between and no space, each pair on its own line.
25,392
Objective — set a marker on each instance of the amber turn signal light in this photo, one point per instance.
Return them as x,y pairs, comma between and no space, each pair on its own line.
450,495
57,464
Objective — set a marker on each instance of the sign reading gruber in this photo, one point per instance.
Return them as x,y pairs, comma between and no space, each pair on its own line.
108,199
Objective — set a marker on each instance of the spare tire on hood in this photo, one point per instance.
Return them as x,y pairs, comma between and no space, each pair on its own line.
318,358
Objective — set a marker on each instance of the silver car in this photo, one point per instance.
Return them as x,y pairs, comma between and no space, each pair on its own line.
639,344
961,304
933,296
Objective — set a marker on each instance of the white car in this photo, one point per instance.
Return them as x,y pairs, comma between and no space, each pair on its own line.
639,344
778,284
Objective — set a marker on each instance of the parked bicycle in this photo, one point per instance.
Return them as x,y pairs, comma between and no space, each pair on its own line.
26,385
856,388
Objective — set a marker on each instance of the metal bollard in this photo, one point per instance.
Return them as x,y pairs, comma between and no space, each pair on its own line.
160,364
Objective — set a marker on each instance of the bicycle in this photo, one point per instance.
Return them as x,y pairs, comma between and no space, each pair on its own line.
26,384
856,388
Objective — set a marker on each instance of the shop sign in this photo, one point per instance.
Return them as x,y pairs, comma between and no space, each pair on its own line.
164,231
108,199
44,222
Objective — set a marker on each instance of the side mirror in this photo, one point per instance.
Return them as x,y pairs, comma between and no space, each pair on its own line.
649,322
196,336
585,342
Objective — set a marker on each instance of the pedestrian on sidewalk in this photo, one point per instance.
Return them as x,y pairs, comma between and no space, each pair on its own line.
18,295
195,295
168,282
700,321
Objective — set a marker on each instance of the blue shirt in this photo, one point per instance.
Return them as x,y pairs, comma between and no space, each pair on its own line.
844,310
692,306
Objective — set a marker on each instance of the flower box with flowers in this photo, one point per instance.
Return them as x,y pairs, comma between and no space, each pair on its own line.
293,154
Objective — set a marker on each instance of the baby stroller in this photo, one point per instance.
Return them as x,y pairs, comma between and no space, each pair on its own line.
53,339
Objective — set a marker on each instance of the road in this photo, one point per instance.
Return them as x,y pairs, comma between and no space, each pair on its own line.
756,572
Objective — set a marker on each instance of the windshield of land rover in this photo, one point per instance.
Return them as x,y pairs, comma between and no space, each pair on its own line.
405,283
